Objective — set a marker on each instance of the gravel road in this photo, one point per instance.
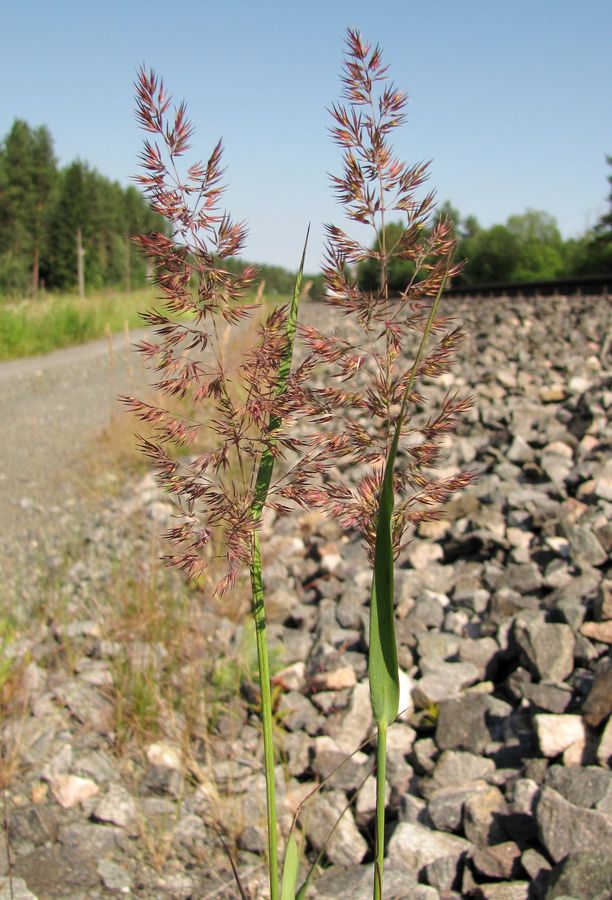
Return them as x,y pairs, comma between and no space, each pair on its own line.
52,408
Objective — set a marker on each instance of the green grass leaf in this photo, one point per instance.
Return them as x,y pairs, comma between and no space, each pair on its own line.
383,668
290,869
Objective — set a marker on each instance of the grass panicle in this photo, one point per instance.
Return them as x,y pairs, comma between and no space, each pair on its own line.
360,418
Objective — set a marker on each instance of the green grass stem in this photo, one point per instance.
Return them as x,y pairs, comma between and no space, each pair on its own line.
262,486
382,664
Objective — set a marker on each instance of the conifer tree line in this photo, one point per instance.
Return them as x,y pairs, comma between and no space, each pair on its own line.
47,212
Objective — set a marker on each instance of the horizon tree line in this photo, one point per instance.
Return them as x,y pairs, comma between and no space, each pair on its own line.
68,228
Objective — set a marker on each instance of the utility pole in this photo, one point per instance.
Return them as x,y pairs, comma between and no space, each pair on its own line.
80,264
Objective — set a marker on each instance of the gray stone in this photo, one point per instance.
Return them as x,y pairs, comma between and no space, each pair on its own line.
553,698
581,786
499,861
413,846
587,874
437,645
445,807
351,728
423,754
162,780
34,825
85,840
481,652
536,865
253,838
483,815
356,882
346,846
463,724
114,876
296,750
443,873
598,704
502,890
548,649
442,681
585,549
565,828
337,768
298,714
524,578
458,766
116,807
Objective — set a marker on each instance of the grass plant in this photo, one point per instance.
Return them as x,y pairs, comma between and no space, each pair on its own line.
360,417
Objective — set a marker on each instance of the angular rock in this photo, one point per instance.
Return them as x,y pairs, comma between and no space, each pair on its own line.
557,733
117,807
298,713
587,874
598,631
604,750
70,790
413,846
114,876
565,828
445,807
443,873
598,704
346,847
468,723
586,786
536,866
458,766
548,649
346,772
442,681
352,727
499,861
356,882
483,816
502,890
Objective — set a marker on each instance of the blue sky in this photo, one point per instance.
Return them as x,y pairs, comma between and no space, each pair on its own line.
511,100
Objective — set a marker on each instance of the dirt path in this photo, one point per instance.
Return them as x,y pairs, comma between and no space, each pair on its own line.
52,408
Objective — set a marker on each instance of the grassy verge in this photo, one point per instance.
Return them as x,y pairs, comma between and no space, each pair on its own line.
32,327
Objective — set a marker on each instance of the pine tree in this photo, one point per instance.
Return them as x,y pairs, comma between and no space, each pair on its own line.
28,174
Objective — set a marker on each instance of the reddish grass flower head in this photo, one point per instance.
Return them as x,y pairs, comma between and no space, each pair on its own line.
366,374
209,387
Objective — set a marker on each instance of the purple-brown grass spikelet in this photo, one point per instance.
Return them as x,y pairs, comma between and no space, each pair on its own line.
367,378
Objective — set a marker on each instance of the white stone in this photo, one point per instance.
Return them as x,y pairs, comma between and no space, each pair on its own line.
69,790
292,677
557,733
421,554
406,706
164,754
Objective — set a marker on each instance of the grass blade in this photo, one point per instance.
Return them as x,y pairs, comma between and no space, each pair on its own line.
290,869
382,663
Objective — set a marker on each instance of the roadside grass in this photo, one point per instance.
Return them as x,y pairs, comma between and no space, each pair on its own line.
33,327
